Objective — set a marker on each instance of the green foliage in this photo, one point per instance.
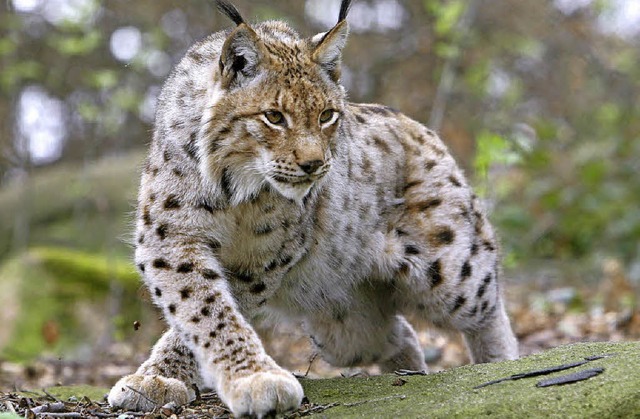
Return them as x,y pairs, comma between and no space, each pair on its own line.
125,99
446,13
476,77
493,149
76,44
576,213
89,111
19,72
102,79
7,46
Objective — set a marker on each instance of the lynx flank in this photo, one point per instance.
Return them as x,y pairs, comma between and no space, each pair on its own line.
265,190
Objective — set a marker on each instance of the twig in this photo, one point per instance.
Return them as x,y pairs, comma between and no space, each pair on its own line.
535,373
61,415
595,357
51,396
196,390
57,407
404,373
350,374
544,371
313,358
315,409
571,378
322,407
155,405
104,415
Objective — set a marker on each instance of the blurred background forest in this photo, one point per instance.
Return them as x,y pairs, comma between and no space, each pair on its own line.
538,100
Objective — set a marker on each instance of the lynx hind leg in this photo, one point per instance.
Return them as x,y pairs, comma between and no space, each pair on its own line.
492,340
169,375
409,354
449,272
366,333
461,293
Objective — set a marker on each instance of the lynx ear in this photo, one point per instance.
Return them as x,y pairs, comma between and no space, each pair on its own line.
328,49
241,56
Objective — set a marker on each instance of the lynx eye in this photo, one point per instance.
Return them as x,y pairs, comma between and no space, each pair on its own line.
326,115
275,117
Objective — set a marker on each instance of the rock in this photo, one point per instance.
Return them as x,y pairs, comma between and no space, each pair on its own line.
613,393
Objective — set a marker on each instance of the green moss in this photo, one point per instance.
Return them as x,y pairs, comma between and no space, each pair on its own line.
85,274
450,394
65,290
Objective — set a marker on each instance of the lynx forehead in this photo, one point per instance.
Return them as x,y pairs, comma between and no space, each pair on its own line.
266,190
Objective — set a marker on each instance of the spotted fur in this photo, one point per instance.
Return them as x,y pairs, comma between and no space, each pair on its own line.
265,190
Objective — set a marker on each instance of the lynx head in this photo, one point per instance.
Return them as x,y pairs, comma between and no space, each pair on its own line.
274,110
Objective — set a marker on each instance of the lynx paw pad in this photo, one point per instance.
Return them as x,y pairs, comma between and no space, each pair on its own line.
146,392
262,393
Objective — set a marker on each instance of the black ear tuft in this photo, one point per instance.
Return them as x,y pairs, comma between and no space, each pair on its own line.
344,10
230,11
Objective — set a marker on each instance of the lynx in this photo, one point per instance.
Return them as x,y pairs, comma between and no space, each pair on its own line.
266,191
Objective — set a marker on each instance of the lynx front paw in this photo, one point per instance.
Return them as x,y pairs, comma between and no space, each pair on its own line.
146,392
262,393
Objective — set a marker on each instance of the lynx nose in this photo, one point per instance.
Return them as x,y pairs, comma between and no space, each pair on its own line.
310,166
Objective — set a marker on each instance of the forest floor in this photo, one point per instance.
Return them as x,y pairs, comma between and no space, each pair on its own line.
571,381
542,319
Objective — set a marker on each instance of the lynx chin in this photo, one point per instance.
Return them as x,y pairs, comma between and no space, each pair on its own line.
265,190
